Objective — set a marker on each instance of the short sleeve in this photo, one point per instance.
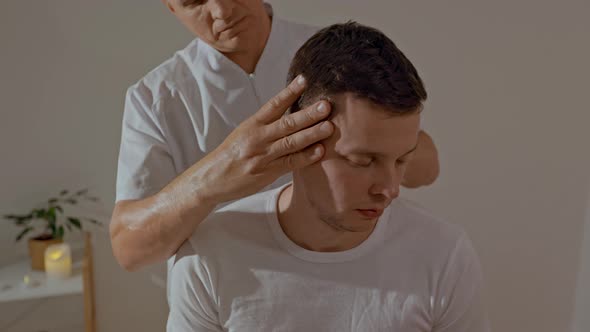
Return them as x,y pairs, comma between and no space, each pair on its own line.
192,304
461,307
145,164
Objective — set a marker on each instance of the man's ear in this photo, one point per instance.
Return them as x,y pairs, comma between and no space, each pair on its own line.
169,5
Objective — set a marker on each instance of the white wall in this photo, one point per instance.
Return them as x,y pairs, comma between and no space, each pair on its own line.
581,318
507,83
65,66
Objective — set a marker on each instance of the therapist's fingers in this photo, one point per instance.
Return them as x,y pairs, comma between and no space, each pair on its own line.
279,104
266,146
297,160
292,123
300,140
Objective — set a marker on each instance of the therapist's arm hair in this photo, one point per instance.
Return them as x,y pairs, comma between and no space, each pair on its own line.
260,150
150,230
423,169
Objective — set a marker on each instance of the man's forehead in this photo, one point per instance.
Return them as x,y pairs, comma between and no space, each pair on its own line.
382,147
354,115
364,128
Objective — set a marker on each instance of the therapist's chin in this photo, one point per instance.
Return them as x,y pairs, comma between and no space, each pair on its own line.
237,43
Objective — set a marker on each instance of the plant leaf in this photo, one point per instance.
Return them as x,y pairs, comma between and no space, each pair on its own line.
53,230
94,221
23,233
22,221
39,213
59,208
51,215
71,201
69,227
75,222
17,218
60,232
52,200
63,192
81,192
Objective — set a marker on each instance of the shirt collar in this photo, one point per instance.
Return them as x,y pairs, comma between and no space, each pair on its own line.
215,60
274,45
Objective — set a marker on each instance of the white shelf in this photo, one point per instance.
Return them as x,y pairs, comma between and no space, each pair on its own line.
12,287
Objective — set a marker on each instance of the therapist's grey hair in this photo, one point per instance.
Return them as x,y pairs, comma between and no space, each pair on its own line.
354,58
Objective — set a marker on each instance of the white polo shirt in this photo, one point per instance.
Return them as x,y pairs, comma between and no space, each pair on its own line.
186,107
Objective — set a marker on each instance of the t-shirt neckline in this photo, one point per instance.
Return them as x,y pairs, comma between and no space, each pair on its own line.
371,243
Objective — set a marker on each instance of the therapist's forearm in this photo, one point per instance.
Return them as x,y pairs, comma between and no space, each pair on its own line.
151,230
259,151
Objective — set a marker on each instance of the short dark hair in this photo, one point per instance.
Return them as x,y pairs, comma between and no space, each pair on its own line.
354,58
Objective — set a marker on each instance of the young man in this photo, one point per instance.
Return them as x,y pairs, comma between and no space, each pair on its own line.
191,140
336,250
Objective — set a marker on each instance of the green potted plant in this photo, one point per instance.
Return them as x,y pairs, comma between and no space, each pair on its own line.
50,223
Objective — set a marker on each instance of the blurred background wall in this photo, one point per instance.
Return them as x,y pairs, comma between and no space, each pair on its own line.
508,87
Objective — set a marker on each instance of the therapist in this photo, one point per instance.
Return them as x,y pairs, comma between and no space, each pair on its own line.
206,127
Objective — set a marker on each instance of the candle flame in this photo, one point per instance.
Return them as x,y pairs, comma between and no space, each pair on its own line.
56,255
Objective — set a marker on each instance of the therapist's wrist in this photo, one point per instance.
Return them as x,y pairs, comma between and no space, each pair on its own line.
206,198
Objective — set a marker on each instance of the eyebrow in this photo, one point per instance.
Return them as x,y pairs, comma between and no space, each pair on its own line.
377,154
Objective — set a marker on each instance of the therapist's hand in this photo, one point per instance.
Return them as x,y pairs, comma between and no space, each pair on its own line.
264,147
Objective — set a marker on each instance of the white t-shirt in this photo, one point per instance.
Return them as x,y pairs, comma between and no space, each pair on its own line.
240,272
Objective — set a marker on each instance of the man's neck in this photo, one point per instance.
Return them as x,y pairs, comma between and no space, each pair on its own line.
303,226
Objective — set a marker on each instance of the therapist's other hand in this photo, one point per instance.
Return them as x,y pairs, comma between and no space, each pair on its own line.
266,146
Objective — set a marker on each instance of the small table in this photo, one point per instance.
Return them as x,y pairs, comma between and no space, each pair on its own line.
13,288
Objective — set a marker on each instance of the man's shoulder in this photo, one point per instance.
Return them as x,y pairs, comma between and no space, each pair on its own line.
242,223
168,76
428,241
415,221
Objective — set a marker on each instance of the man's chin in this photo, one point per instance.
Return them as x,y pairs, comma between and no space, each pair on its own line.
353,224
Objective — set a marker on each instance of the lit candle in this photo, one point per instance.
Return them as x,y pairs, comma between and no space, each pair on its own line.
58,261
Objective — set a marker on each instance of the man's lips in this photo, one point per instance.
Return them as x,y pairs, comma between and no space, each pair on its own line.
370,213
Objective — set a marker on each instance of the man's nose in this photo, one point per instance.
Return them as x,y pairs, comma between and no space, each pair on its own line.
389,192
387,185
221,9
